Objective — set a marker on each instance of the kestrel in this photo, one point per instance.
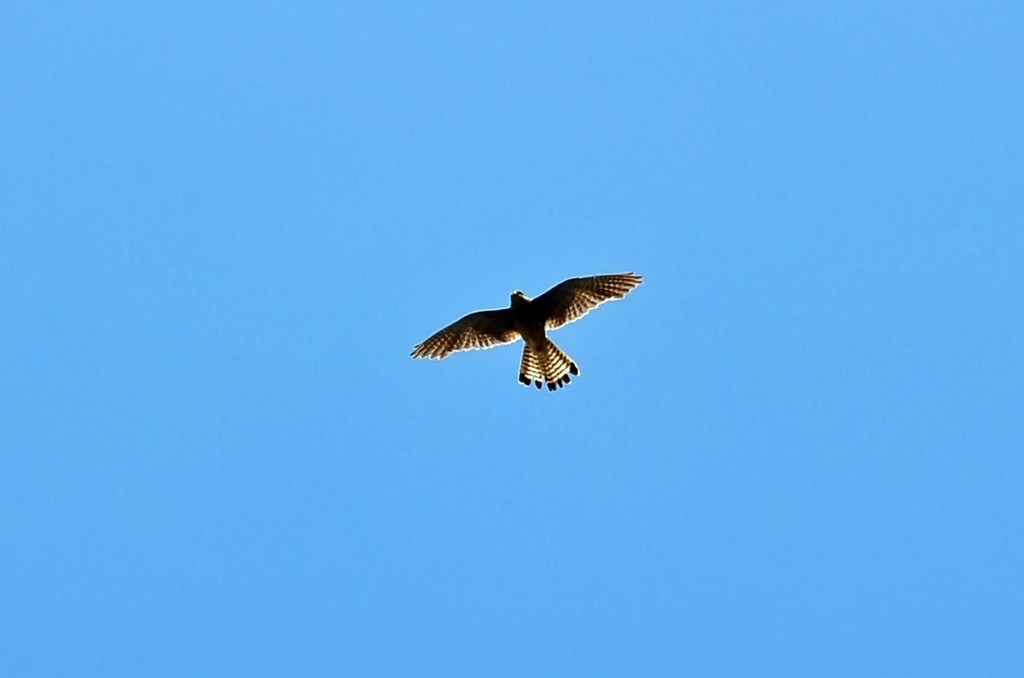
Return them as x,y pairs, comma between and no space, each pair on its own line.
529,319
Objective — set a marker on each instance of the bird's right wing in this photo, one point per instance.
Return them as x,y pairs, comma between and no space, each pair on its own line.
482,329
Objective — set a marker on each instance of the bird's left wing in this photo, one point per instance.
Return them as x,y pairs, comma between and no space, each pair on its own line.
482,329
571,300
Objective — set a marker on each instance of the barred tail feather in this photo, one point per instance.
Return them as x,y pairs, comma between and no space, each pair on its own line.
529,368
547,363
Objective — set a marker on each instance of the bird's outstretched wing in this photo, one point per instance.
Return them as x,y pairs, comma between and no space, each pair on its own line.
574,298
482,329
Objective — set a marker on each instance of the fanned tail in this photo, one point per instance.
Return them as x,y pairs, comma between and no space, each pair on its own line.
548,363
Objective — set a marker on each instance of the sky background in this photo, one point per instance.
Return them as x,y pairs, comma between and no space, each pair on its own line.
795,450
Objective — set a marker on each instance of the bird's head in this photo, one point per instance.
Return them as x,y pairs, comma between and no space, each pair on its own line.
518,298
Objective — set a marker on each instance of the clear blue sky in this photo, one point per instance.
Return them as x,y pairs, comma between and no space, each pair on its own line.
796,450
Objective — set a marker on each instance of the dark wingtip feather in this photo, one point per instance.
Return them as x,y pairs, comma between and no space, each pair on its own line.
552,386
538,384
524,380
575,371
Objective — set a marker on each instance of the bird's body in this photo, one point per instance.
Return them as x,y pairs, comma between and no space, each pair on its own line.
528,322
530,319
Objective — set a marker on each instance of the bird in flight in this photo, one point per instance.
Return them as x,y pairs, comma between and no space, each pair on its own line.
529,319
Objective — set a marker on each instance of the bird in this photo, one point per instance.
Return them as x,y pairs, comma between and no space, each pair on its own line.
530,319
